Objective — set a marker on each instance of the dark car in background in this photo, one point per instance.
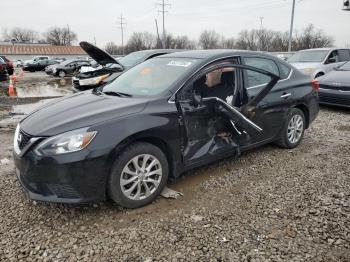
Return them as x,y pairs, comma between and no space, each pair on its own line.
39,65
3,70
335,86
9,64
67,67
160,118
111,67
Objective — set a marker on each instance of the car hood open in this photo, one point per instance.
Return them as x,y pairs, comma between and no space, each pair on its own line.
98,55
79,110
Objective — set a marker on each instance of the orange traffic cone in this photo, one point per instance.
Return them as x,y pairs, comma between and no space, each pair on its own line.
14,77
12,91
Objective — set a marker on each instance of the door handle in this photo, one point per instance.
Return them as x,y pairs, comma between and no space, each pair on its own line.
286,95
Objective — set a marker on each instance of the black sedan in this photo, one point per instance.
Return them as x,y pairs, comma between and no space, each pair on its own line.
111,67
335,87
3,70
39,65
158,119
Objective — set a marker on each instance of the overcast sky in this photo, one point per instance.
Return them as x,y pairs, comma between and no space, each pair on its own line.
98,18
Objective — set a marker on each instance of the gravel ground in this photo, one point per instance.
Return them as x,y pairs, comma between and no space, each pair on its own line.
270,204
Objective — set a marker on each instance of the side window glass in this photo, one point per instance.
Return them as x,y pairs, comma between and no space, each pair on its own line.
333,58
255,78
344,55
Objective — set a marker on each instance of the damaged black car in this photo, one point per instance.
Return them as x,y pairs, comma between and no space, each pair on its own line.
111,68
169,114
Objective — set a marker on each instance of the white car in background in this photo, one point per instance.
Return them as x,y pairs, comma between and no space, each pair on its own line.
319,61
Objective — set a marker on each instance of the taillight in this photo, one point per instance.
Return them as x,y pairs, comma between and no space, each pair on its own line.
315,85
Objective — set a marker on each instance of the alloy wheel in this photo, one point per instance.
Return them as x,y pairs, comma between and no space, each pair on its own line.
141,176
295,129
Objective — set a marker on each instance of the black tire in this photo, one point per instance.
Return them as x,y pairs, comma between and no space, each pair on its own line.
61,73
283,140
114,187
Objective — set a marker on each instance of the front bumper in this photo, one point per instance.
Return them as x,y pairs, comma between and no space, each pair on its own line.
334,97
71,178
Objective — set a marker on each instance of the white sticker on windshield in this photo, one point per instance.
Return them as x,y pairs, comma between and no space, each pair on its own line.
180,63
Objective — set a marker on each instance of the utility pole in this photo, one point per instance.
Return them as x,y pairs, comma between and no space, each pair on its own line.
158,38
122,23
68,38
260,33
163,5
291,28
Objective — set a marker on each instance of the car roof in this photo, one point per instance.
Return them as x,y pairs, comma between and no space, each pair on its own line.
157,51
324,49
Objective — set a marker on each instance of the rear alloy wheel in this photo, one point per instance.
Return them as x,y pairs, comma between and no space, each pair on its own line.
293,130
138,176
61,73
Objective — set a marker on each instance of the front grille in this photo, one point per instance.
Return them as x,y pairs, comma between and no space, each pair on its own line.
334,99
63,191
24,139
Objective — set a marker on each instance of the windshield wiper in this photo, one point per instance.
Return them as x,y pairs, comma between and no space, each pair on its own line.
114,93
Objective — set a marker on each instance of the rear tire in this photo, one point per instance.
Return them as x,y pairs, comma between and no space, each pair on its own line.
138,176
61,73
293,130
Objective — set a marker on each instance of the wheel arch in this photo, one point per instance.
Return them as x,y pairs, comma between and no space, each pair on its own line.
306,112
154,140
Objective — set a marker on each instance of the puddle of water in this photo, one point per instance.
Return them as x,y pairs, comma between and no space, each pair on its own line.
20,111
52,88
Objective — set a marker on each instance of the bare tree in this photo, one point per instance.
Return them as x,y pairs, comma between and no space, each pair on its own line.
228,43
141,41
112,48
19,34
60,36
312,38
209,39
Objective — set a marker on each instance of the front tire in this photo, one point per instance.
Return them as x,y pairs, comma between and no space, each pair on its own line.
138,176
61,73
293,130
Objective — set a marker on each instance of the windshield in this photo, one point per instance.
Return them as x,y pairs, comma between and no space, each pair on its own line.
344,67
308,56
133,59
151,77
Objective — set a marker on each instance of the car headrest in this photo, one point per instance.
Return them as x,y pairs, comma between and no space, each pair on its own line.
228,77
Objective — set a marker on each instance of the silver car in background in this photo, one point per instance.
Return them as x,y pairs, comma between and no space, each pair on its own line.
319,61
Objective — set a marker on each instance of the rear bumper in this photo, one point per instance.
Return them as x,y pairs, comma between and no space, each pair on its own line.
334,97
63,179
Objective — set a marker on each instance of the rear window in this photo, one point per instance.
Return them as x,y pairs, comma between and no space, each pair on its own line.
284,70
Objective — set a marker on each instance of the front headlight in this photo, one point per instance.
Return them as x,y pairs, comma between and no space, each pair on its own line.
92,81
65,143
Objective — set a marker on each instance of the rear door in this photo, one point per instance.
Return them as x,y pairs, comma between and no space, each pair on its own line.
217,123
269,112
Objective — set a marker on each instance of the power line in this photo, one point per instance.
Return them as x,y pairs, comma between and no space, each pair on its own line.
163,6
122,23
